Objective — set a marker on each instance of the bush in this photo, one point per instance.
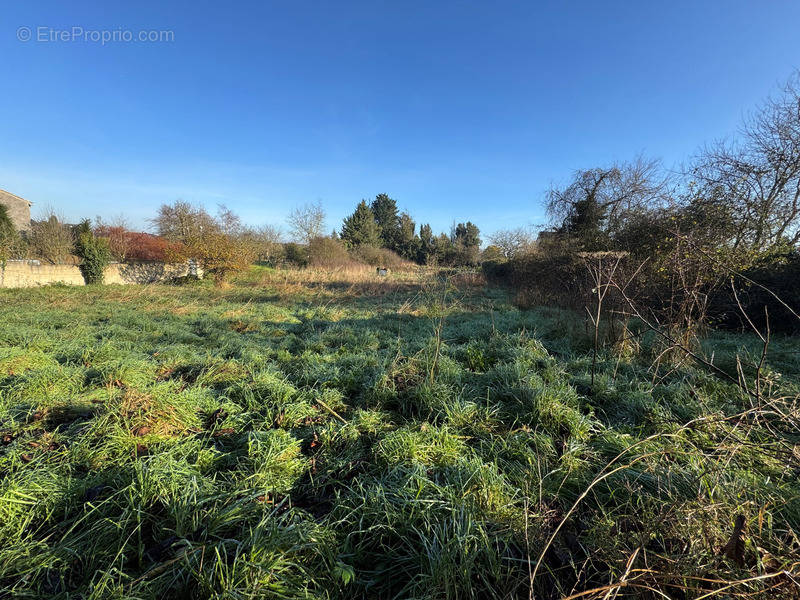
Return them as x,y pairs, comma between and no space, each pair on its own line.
148,247
497,272
378,257
295,254
51,240
778,274
220,254
95,256
328,253
550,279
9,238
118,240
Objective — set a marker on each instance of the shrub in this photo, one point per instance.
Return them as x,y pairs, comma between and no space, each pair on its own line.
328,253
295,254
497,271
9,238
148,247
94,254
118,238
779,275
378,257
493,253
550,279
220,254
51,240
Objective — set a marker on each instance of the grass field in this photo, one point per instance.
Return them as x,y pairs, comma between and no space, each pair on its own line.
300,434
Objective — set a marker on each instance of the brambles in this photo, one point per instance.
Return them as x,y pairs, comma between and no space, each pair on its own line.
380,257
732,216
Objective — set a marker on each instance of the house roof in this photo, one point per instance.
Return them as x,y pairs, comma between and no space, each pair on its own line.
4,194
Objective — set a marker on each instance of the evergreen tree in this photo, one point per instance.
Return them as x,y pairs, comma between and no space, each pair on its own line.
586,223
466,243
385,211
93,251
445,249
5,219
427,245
467,235
9,238
82,228
360,228
407,244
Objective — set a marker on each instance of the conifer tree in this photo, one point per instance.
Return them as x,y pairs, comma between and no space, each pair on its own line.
360,228
407,243
385,211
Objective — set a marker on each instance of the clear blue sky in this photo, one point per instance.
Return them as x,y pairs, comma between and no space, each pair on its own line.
459,110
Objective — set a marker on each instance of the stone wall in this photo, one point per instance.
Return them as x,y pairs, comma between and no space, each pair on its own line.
32,273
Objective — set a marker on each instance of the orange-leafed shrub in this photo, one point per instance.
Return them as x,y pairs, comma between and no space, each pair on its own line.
145,246
118,239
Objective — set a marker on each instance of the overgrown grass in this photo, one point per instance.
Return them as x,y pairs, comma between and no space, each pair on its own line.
308,434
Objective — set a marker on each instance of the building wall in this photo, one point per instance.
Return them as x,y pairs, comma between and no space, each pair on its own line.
31,273
19,210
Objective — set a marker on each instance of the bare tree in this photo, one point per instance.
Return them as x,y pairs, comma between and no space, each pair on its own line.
270,234
600,201
228,221
51,239
222,245
755,182
601,272
117,232
514,242
181,221
307,222
266,241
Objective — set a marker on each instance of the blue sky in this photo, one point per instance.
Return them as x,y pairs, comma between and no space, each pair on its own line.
459,110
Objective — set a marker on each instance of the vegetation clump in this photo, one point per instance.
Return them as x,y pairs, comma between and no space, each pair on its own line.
9,238
94,253
707,247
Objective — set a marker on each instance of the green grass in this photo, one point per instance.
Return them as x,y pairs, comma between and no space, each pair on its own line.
298,436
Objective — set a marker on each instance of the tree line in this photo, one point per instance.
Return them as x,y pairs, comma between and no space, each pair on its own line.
380,224
735,206
740,195
375,233
733,211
